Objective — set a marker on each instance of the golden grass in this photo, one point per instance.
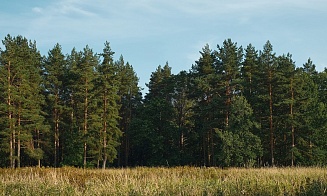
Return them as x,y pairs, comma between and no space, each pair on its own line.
164,181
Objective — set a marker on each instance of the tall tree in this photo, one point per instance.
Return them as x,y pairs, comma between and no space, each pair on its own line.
285,98
54,73
249,74
129,99
24,120
84,75
154,133
72,148
228,65
311,117
183,106
204,82
267,69
107,88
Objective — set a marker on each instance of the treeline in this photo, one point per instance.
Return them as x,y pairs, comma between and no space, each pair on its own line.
234,107
63,109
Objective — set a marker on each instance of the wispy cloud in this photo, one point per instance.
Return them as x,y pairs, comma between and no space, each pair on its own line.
183,24
145,17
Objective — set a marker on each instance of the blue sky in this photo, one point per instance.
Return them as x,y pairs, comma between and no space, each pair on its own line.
150,32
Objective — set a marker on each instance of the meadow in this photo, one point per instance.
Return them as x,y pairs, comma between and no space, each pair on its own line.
164,181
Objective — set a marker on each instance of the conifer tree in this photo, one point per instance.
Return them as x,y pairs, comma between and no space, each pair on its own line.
72,148
204,83
311,117
183,106
249,74
129,99
54,73
228,65
158,86
267,69
83,76
285,98
107,107
21,73
155,137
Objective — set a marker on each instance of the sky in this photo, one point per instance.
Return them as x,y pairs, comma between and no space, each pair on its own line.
149,33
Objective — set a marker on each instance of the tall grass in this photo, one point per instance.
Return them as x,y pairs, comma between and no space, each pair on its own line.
164,181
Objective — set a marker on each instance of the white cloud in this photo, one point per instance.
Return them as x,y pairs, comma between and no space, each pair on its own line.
182,22
125,18
37,10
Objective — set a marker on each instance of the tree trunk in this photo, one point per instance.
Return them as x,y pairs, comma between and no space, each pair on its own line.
12,131
271,120
204,149
56,132
104,131
180,128
85,124
292,129
104,162
38,146
127,124
126,147
71,126
228,101
18,135
208,148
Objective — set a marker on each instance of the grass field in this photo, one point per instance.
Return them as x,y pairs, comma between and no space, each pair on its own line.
164,181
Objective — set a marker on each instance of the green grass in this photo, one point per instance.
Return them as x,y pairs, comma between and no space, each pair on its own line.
164,181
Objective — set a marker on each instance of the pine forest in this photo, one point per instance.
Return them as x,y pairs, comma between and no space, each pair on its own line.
235,107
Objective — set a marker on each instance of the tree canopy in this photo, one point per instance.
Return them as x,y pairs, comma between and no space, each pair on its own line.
236,106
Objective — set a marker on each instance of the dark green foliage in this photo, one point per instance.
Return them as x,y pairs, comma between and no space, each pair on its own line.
155,128
205,85
235,107
106,109
54,68
155,138
239,146
22,100
249,74
129,99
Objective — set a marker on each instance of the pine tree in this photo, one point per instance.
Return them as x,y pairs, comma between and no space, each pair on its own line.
83,75
285,109
310,149
107,88
204,84
183,106
24,119
158,86
228,66
129,99
267,69
249,74
54,73
72,148
154,132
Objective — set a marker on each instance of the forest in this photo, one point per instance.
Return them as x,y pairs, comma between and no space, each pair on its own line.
234,107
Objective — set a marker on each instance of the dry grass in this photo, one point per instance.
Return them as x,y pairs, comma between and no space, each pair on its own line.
164,181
